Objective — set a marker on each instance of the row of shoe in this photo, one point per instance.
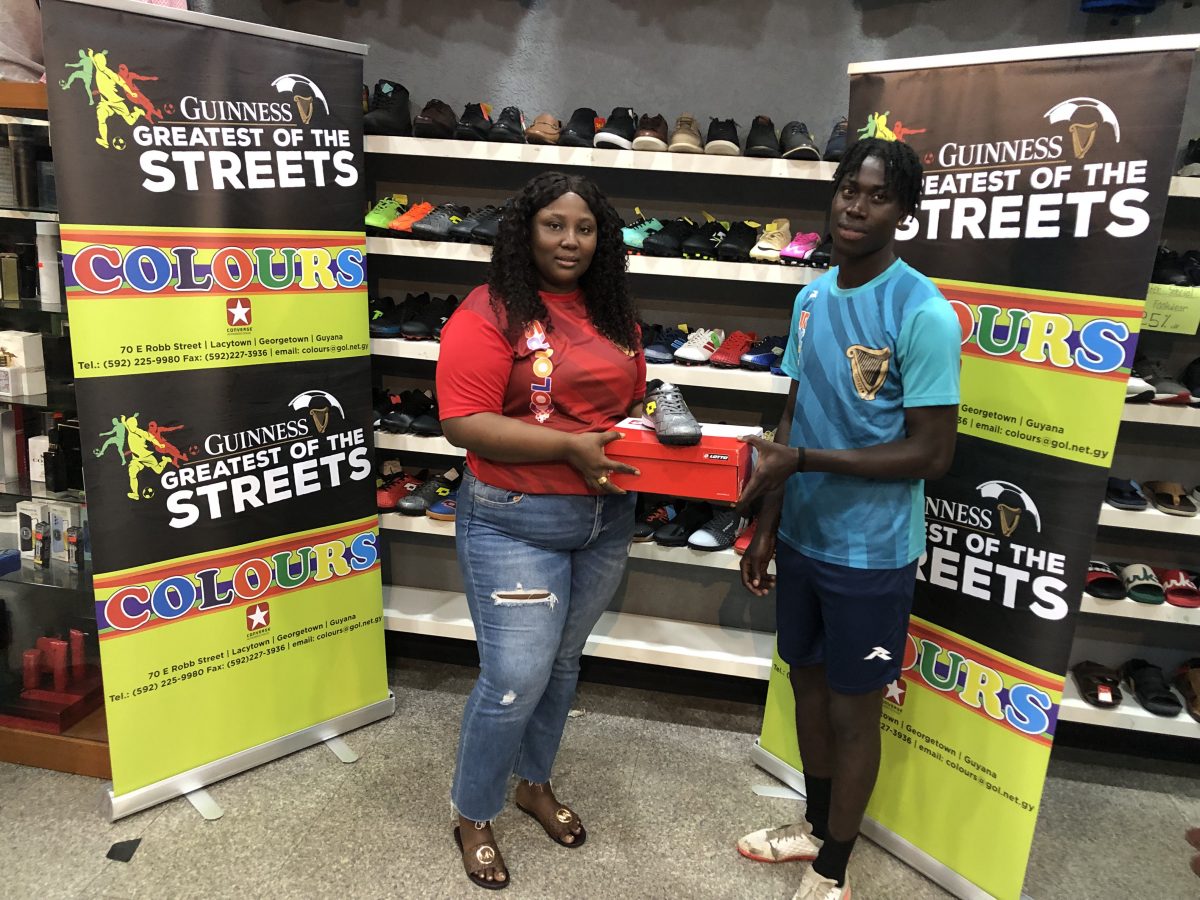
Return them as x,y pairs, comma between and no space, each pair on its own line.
1150,383
1143,584
394,217
670,522
1191,160
387,112
1169,497
407,412
712,239
692,346
419,317
1181,269
420,494
1100,686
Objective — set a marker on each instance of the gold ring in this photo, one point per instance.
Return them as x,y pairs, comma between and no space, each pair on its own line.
602,480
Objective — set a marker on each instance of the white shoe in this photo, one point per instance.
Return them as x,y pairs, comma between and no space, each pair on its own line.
1138,389
701,345
789,843
814,886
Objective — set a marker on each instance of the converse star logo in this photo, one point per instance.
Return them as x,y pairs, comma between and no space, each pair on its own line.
878,653
258,616
894,692
237,311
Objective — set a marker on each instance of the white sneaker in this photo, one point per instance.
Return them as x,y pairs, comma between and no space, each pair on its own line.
701,345
1138,389
814,886
789,843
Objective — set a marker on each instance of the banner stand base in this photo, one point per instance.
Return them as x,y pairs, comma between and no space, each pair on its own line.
205,804
935,871
115,807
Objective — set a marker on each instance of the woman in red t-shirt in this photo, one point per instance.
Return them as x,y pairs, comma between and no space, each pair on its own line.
535,367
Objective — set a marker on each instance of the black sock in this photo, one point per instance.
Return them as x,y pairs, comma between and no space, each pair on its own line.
832,859
817,809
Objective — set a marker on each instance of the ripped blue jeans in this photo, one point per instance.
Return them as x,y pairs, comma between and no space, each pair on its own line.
538,570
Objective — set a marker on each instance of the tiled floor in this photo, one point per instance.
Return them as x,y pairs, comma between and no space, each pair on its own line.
664,784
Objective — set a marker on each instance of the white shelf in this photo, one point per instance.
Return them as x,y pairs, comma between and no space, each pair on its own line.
623,636
634,160
1185,186
1146,612
685,556
682,376
1149,520
415,443
761,273
1161,414
1128,715
23,120
32,215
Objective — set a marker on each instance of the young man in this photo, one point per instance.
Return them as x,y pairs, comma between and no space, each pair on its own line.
874,356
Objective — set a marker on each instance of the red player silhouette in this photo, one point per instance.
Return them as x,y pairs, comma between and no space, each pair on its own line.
138,96
900,131
177,456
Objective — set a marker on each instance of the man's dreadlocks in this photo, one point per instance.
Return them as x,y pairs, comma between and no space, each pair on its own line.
903,172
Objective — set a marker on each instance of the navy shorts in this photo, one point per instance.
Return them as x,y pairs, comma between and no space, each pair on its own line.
852,621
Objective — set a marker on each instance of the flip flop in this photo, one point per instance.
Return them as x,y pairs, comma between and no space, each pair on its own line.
1187,682
1104,582
1141,584
1097,684
1123,494
1169,497
1150,687
1179,588
484,859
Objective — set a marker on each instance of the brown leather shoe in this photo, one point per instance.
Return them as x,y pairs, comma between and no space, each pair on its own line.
651,134
544,130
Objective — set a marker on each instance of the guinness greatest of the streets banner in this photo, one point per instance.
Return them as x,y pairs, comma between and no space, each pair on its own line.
1046,182
211,205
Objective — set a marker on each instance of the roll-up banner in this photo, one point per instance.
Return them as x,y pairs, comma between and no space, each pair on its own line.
210,190
1046,180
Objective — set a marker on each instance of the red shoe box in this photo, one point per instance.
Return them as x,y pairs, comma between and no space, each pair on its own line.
716,469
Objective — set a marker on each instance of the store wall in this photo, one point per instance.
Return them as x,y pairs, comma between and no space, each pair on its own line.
708,57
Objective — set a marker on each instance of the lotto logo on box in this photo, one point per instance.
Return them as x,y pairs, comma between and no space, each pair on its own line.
258,617
237,311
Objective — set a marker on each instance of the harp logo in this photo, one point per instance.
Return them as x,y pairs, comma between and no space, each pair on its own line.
868,369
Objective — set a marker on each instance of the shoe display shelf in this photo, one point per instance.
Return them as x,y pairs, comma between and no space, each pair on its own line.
1129,715
453,165
1187,187
38,600
1155,414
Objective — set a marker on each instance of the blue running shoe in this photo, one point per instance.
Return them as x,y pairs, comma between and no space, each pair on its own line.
764,354
662,351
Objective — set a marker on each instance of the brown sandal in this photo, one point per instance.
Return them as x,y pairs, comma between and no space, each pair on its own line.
567,819
484,856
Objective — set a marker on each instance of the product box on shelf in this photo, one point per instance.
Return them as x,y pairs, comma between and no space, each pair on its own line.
63,517
29,513
22,348
38,445
715,469
10,468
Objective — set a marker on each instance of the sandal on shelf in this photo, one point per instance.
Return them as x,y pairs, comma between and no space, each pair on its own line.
1150,687
1169,497
1187,682
1104,582
483,857
1097,684
1179,588
564,817
1142,584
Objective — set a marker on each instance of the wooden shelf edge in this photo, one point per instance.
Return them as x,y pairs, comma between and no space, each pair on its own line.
22,95
60,752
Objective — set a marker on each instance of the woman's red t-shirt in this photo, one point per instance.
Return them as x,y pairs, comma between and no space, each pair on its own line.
570,379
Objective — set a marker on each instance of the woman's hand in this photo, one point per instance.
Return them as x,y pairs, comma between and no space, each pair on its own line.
585,452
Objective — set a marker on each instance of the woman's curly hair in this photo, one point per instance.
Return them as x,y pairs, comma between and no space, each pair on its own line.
513,277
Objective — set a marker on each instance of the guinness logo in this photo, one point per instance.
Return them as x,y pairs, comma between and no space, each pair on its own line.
304,105
1083,136
868,368
1010,518
320,417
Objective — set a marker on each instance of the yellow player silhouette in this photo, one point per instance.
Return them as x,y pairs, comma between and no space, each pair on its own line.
107,82
141,456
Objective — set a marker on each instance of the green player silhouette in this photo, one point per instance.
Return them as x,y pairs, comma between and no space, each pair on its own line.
116,439
84,71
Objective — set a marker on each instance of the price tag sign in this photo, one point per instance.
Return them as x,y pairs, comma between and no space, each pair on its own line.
1172,308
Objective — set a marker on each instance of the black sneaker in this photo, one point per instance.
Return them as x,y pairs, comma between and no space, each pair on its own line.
412,404
738,243
694,515
581,130
835,147
821,256
383,402
475,123
509,127
618,131
389,110
436,120
703,243
428,423
441,323
435,489
669,241
655,517
796,143
762,139
421,326
1168,269
1190,167
722,138
390,324
461,230
718,533
436,226
489,225
377,307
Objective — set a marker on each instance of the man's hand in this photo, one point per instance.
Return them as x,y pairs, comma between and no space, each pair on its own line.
755,561
776,463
